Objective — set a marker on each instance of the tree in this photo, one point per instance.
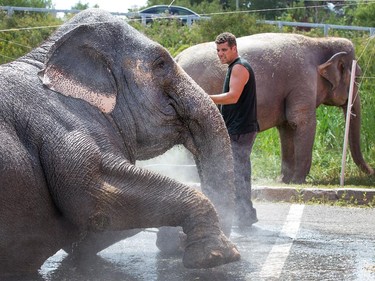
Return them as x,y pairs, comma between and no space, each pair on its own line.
81,6
364,15
268,9
27,3
18,36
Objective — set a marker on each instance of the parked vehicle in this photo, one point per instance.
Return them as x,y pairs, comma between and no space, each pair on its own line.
185,15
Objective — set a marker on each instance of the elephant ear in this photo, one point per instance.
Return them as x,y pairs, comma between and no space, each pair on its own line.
76,66
332,69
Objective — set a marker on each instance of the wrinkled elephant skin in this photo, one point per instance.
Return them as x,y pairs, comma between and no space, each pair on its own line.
75,115
295,74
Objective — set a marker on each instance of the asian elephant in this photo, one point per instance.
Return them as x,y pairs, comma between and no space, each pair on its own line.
75,115
295,74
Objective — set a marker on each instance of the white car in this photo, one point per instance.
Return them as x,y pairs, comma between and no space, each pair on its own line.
183,14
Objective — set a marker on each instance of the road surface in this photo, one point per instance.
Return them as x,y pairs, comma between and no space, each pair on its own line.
290,242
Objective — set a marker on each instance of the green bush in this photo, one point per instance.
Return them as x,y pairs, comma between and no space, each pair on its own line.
22,33
242,24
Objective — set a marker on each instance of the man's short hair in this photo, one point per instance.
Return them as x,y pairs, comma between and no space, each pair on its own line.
226,37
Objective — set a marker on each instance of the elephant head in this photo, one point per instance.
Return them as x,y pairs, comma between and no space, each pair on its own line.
150,99
335,85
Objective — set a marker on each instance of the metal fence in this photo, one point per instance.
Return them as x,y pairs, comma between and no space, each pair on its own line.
190,19
326,27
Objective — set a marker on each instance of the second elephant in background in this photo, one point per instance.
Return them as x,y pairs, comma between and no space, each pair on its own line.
294,75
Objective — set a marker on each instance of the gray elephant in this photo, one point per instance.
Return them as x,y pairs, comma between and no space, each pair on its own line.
295,74
75,115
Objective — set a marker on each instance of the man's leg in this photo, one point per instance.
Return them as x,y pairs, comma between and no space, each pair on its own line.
241,147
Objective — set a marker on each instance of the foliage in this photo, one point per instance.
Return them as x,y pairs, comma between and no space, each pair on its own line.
81,6
224,22
268,9
265,157
201,8
21,33
297,12
364,15
314,12
27,3
169,33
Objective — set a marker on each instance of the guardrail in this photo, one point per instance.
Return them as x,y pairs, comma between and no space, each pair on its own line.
190,19
326,27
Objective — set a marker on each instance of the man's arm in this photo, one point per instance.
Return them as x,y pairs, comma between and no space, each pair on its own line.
238,80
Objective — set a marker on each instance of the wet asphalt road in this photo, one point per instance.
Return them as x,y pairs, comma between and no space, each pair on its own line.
290,242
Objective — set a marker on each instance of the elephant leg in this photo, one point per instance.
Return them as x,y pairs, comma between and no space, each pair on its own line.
302,122
171,240
304,140
30,230
286,134
129,197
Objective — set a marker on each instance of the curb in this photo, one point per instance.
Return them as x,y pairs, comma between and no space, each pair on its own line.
357,196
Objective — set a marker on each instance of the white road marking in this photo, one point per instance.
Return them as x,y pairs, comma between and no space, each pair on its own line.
280,251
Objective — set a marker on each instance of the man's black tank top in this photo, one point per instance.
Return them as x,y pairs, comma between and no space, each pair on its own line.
241,117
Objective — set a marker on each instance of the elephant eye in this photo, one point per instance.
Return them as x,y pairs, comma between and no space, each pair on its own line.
160,67
159,63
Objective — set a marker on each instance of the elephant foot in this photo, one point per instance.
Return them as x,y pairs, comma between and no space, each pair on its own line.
296,179
210,252
246,214
171,240
284,179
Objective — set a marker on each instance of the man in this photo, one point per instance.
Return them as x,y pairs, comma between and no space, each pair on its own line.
238,107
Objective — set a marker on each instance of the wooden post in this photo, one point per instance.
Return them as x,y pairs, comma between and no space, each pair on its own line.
347,123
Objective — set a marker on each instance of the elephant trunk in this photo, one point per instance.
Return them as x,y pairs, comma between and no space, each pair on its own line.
210,144
215,168
354,135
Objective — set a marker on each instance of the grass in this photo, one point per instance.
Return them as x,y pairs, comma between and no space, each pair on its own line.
327,153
